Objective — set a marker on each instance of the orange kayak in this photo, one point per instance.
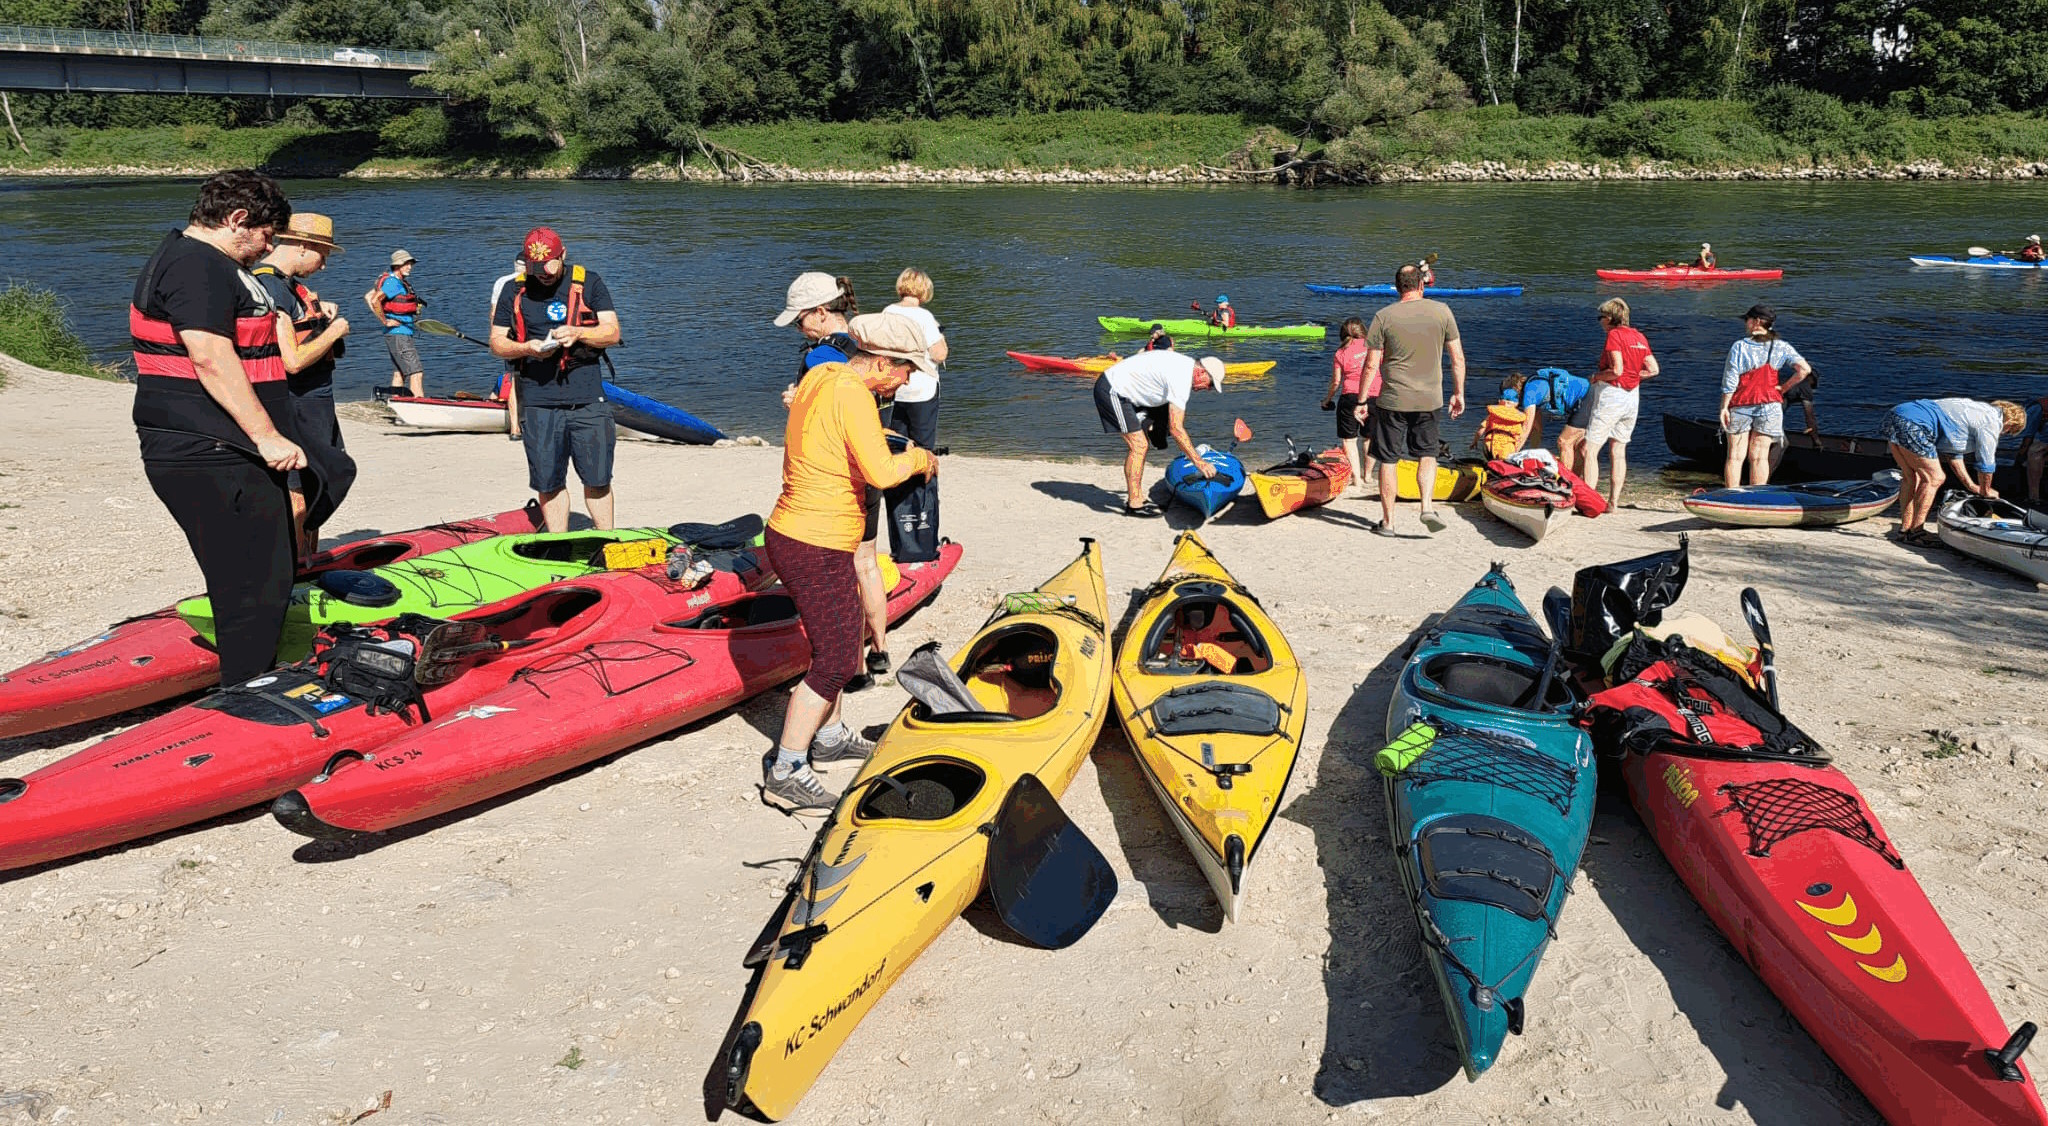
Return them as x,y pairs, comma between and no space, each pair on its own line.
1303,482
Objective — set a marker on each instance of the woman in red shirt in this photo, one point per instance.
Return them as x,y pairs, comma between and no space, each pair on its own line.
1347,390
1613,400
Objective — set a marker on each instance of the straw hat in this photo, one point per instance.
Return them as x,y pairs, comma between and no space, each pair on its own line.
310,228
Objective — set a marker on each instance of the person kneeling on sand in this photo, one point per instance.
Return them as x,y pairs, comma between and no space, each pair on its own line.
1142,395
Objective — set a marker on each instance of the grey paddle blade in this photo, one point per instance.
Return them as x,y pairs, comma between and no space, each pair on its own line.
928,678
1048,881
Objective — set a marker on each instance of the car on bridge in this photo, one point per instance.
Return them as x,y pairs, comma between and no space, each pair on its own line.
356,55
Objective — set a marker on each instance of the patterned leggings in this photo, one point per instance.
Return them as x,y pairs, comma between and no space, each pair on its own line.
826,590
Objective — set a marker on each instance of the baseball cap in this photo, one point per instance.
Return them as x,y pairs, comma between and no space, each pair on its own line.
1762,313
886,334
810,290
1214,367
542,245
1222,299
400,258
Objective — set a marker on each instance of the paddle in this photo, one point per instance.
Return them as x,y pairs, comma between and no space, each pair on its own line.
443,328
1980,251
1753,612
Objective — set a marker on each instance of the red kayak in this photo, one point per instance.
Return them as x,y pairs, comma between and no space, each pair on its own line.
1060,365
566,711
158,657
1688,275
253,741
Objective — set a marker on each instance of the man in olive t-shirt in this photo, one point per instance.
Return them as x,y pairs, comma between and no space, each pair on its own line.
1405,347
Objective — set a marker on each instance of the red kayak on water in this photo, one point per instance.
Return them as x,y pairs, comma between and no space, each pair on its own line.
563,712
1060,365
1688,275
158,657
250,742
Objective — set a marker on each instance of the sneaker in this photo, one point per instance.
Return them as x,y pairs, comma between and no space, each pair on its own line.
854,746
1432,521
797,790
878,663
1383,529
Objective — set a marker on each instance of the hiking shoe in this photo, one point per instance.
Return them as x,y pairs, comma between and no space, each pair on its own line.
797,790
1432,521
854,746
1385,529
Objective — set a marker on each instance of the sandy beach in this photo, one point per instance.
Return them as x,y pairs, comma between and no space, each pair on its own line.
237,973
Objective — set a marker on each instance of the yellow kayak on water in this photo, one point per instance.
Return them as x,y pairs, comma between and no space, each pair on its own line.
960,794
1456,480
1214,704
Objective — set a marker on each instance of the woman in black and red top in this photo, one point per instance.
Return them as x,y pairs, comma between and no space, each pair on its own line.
210,401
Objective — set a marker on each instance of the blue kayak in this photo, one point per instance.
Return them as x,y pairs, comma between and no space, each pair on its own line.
652,416
1489,796
1988,262
1432,291
1212,495
1813,504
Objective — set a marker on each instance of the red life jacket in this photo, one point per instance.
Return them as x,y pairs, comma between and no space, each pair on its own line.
579,314
310,322
1758,385
1688,702
1226,317
168,394
158,351
405,304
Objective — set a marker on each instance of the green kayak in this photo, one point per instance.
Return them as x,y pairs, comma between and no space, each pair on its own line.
445,582
1134,326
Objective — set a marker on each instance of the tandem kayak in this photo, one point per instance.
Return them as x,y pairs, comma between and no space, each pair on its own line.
1989,262
1096,365
1301,482
1211,495
156,657
1998,532
1386,290
1688,274
1813,505
1489,798
1134,326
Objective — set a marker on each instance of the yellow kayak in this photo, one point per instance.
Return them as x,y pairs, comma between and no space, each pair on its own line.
951,802
1096,365
1455,480
1214,704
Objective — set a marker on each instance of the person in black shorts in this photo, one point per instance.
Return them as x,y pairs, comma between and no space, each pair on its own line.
213,414
1406,345
310,336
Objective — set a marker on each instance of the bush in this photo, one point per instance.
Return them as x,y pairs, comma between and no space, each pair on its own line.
421,132
34,330
904,142
1816,122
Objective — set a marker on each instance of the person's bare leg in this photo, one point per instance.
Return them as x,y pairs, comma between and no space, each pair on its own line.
1812,417
1357,465
599,502
1731,468
1425,490
1389,489
1909,483
418,381
554,510
1134,469
1571,448
1777,453
1591,473
807,712
874,597
1759,459
1617,455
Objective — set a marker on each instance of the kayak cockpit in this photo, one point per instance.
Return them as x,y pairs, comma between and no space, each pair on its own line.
1010,676
932,789
1478,678
750,612
1204,633
586,550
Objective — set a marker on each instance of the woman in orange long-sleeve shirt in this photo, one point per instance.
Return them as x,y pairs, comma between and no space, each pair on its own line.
833,454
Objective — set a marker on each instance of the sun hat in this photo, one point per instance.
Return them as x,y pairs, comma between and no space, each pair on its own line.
1762,313
886,334
808,291
310,228
1215,368
1706,246
2034,238
400,258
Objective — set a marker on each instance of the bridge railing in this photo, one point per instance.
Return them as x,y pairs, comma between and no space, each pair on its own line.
79,41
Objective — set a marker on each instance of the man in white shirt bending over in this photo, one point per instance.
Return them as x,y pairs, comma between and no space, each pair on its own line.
1147,395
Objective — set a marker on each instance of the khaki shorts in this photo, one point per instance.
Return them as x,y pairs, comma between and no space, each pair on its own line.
1613,417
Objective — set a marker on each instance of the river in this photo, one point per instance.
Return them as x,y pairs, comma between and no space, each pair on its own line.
698,271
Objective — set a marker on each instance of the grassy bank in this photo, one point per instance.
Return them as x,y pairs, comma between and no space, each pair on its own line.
1783,128
34,330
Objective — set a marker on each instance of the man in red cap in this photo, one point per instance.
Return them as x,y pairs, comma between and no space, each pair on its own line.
555,324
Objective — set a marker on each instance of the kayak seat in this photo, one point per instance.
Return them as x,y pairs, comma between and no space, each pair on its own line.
931,790
1481,859
1010,674
1216,707
760,610
1492,680
1204,633
358,588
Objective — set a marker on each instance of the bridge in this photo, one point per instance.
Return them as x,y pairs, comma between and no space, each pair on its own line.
53,59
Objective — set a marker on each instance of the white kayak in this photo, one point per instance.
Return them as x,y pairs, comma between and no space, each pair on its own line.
480,416
1979,262
1998,532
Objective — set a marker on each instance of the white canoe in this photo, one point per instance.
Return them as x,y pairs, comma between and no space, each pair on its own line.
1992,262
1998,532
1532,520
481,416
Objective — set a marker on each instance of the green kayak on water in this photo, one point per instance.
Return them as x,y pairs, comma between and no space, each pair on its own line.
1188,326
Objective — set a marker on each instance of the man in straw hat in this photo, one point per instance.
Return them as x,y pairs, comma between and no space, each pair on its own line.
395,303
310,337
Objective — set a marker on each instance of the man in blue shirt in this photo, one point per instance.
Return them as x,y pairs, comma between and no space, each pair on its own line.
394,304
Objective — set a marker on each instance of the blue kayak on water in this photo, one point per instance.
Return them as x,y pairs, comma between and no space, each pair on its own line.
1985,262
635,411
1206,496
1489,798
1432,291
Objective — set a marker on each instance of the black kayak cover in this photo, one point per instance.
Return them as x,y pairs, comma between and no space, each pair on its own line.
1611,599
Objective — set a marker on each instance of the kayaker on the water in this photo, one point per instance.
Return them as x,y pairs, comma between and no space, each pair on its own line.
914,506
394,303
2031,252
1705,259
1159,341
1224,317
1752,399
834,454
1350,398
557,321
309,339
1405,346
212,411
1924,433
1610,406
1131,397
819,305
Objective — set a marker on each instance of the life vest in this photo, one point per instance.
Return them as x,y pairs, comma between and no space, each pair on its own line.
1225,317
1689,702
579,314
168,394
403,305
310,322
1759,384
1503,431
159,352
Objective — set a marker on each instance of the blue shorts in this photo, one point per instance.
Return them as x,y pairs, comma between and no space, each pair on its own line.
556,435
1908,428
1767,419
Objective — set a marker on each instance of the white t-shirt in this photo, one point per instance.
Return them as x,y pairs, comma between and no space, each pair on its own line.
497,290
922,388
1154,379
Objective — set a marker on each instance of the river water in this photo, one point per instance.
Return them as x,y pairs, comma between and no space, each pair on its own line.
698,271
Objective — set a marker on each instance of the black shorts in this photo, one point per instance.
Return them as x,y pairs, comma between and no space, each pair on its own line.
1120,415
872,525
1403,434
1348,425
557,435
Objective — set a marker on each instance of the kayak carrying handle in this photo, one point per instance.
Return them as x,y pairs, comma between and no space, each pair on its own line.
335,760
2006,1061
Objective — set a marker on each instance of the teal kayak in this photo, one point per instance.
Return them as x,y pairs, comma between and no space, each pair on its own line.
1188,326
1489,797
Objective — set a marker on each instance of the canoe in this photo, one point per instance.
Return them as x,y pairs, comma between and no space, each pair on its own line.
1528,503
1688,275
1998,532
1387,290
1783,853
1991,262
1456,480
252,741
662,674
1213,704
1808,457
1489,799
652,417
1813,505
478,416
156,657
930,820
1096,365
1207,496
1135,326
1301,482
